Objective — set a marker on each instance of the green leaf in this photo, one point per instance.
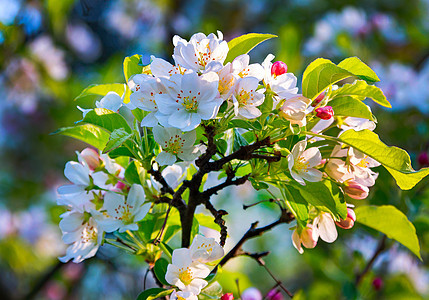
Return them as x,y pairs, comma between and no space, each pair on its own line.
361,90
347,106
356,66
102,90
297,204
325,196
121,151
239,141
106,119
320,76
131,66
117,138
160,270
392,222
258,185
88,133
134,172
243,44
207,221
394,159
213,291
154,293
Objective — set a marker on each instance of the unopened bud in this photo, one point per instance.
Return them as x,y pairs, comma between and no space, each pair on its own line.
349,221
91,157
423,159
227,296
318,99
325,113
120,185
278,68
377,283
355,190
274,294
308,237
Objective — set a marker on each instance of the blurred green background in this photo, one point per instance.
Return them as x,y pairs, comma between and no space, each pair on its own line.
50,50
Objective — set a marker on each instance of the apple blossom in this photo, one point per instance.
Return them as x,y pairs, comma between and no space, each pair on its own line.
120,213
278,68
227,296
349,221
91,157
295,110
186,274
357,124
175,143
240,66
202,53
318,99
205,249
355,190
82,233
246,98
162,68
307,237
181,295
111,101
326,227
189,99
301,163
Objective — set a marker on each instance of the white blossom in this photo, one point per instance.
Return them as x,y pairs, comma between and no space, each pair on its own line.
189,99
307,237
301,163
180,295
82,233
186,274
246,98
295,110
175,143
326,227
205,249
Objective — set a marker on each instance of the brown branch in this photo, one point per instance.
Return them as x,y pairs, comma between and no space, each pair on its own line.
252,232
158,177
228,182
218,214
380,248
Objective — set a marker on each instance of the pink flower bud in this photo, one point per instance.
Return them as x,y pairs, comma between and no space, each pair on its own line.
355,190
227,296
318,99
349,222
120,185
325,113
91,157
377,283
278,68
423,159
274,295
309,236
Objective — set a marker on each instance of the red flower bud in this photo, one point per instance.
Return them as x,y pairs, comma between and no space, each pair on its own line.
227,296
325,113
423,159
91,157
355,190
275,295
278,68
377,283
349,222
318,99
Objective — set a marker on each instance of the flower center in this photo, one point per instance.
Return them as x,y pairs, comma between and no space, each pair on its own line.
174,144
300,165
124,213
185,275
89,234
225,84
207,247
244,97
363,163
190,103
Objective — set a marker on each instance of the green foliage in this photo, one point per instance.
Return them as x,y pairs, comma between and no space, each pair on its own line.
243,44
117,138
358,68
394,159
88,133
361,90
154,293
212,291
392,222
347,106
132,66
134,173
160,270
106,119
102,90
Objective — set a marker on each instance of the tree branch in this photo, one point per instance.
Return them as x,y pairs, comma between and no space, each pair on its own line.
218,214
158,177
228,182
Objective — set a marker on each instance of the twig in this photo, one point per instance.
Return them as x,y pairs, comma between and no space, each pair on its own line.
380,248
218,214
158,177
228,182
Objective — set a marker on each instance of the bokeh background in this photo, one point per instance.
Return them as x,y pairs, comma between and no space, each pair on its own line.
50,50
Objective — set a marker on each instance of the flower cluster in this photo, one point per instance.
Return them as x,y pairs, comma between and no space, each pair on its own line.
96,203
189,267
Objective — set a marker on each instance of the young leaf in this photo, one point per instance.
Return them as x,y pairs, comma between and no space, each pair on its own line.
243,44
207,221
154,293
117,138
394,159
102,90
239,141
88,133
131,66
160,270
106,119
347,106
360,69
298,205
133,171
392,222
361,90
